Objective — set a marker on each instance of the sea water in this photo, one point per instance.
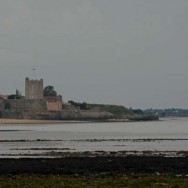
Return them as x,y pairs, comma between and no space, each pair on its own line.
169,134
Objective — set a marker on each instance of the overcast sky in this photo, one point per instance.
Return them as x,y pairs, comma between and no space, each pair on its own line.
129,52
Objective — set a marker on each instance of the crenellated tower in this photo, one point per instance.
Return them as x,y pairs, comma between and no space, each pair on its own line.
33,89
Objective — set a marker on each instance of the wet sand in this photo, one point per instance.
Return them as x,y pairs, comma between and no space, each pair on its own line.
95,165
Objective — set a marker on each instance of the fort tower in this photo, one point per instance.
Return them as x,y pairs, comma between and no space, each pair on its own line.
33,89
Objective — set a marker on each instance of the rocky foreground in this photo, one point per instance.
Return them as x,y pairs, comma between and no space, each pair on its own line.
95,165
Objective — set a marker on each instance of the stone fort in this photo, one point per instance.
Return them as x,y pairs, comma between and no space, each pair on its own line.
35,106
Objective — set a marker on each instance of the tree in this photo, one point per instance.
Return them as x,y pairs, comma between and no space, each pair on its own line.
49,91
18,95
82,106
12,96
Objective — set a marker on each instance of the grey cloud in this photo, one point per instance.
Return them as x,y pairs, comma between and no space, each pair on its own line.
130,52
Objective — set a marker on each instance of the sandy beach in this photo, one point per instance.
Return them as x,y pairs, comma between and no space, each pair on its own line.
34,121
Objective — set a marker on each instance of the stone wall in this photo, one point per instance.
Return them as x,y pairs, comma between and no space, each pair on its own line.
54,103
39,109
25,109
85,114
94,114
54,106
1,106
25,105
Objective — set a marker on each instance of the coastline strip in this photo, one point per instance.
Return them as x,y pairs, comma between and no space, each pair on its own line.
34,121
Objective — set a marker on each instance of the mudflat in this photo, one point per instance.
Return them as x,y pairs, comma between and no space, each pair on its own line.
94,165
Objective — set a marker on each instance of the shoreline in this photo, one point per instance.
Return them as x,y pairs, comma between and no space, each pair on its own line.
67,153
35,121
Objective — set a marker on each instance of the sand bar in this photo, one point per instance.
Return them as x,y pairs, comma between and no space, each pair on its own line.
34,121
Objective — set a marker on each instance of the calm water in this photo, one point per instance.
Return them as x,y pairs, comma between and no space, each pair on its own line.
166,135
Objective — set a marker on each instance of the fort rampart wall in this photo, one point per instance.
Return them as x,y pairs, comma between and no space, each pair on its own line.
39,109
24,108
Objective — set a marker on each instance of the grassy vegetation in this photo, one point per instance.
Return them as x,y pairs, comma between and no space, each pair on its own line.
117,110
131,181
114,109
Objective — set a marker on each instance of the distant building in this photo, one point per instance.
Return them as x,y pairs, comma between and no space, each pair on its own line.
33,89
